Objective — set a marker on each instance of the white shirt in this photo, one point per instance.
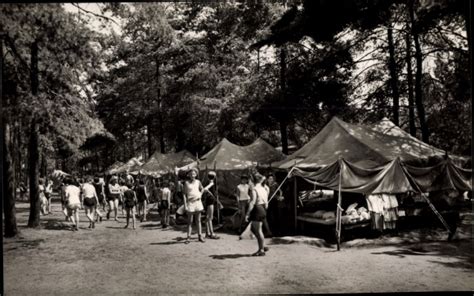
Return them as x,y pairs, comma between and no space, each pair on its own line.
88,190
72,194
262,194
243,191
166,194
115,189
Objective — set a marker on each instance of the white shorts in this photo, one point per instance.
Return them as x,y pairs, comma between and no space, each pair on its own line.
195,206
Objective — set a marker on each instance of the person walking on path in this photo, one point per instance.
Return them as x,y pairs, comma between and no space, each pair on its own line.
99,189
276,207
114,195
165,203
192,203
90,201
73,202
142,197
210,201
257,212
130,202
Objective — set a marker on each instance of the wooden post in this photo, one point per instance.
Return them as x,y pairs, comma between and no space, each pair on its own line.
338,210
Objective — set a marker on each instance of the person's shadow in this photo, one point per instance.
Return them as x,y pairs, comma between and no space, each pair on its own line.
229,256
177,240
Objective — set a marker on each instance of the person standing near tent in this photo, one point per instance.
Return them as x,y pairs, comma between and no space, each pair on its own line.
48,192
210,202
243,199
114,194
257,212
130,202
42,196
73,201
276,206
142,197
165,203
90,201
192,203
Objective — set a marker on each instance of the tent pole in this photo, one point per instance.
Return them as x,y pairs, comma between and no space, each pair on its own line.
217,197
295,203
338,210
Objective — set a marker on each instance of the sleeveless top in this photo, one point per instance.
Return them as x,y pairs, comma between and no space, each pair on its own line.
192,190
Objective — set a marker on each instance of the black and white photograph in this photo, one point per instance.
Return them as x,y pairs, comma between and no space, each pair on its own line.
236,147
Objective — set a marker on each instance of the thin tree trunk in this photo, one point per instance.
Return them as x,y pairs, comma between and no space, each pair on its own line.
393,76
33,146
8,169
149,133
283,121
160,113
411,105
418,78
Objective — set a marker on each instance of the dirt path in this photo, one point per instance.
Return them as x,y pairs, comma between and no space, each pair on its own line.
115,261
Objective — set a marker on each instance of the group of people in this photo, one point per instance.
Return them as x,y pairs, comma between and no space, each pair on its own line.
98,198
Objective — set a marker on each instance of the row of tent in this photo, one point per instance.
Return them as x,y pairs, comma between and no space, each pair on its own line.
225,156
382,154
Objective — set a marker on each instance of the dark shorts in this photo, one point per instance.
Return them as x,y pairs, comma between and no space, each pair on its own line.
112,197
164,205
90,202
258,213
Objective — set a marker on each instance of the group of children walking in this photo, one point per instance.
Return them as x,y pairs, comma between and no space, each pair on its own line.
94,196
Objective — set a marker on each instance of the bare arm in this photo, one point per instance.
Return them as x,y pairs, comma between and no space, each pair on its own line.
253,201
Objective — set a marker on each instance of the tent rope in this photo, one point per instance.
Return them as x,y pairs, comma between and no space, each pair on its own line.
428,201
281,184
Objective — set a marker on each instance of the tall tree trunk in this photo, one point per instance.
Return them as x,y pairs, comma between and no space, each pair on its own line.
393,76
33,172
411,105
149,133
8,173
418,77
33,146
283,119
160,111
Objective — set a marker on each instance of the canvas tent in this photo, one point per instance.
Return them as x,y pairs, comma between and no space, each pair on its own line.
372,146
131,166
231,160
113,167
379,159
159,164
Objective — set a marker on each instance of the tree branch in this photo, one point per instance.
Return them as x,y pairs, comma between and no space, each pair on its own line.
95,14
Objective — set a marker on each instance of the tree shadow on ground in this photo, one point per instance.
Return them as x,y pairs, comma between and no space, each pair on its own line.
229,256
176,240
462,251
55,224
10,245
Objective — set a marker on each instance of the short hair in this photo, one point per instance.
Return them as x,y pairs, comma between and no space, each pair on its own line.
96,179
258,178
89,179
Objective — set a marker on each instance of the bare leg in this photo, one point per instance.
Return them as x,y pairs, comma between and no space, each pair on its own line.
133,216
144,210
49,204
209,218
71,217
111,207
116,209
190,224
128,217
198,224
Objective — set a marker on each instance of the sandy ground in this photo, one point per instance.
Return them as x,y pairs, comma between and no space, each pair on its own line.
111,260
